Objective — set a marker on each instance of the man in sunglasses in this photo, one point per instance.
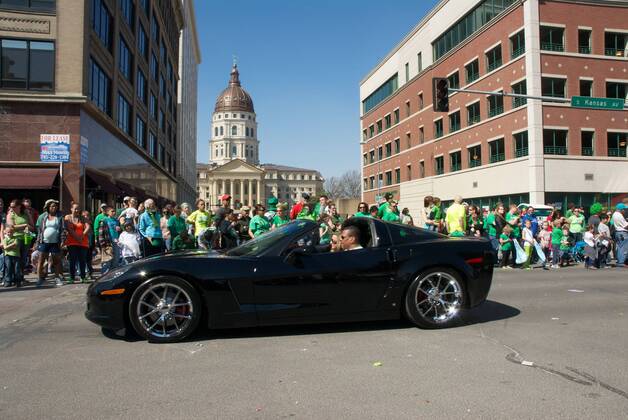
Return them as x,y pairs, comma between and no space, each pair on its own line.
350,239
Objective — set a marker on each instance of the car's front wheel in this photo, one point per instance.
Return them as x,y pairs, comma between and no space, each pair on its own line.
435,298
165,310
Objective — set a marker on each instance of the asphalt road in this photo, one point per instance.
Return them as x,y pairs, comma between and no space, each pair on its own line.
547,345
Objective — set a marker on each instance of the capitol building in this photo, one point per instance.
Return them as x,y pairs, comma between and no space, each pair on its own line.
234,166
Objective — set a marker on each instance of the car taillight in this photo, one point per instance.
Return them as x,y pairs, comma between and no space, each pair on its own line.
475,261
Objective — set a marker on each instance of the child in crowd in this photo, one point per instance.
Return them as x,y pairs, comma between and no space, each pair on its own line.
129,243
604,241
590,249
557,235
505,241
545,240
13,264
565,247
183,241
528,243
326,228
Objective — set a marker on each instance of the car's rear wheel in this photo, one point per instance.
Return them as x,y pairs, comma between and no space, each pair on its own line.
435,298
165,310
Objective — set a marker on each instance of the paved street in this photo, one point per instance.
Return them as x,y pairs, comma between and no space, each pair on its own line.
546,345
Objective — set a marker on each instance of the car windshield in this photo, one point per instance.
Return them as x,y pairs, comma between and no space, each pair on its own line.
263,242
542,212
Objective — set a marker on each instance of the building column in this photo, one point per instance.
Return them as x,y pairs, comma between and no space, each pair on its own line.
231,191
250,192
241,191
260,198
536,161
214,193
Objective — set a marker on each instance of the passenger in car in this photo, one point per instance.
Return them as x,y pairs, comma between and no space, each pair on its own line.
350,238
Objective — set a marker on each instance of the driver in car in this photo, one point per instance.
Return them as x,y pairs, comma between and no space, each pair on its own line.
350,238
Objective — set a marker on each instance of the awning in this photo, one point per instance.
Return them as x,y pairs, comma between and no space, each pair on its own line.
103,182
27,178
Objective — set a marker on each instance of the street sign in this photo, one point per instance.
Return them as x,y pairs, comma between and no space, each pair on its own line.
84,150
54,148
597,103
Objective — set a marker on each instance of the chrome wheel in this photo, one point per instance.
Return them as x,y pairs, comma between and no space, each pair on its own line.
164,310
439,297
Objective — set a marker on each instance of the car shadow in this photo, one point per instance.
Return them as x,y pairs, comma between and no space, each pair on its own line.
489,311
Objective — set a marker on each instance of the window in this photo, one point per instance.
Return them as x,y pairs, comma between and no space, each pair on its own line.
162,86
161,155
586,142
616,90
472,71
140,132
421,135
520,89
455,161
495,105
379,126
380,153
616,143
126,7
496,151
34,5
247,131
371,182
397,176
517,45
396,114
154,67
407,109
388,149
584,41
454,122
222,132
372,156
419,59
555,142
388,121
215,131
152,106
388,178
409,172
154,29
422,169
234,130
380,94
521,144
124,59
234,151
364,135
99,88
162,121
615,44
141,86
439,166
475,156
408,140
142,42
162,52
438,128
124,114
552,38
102,22
252,133
27,65
454,80
170,73
407,67
494,58
397,146
365,184
473,113
420,101
365,159
554,87
586,87
469,24
145,6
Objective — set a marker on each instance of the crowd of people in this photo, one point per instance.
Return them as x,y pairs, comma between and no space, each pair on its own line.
66,245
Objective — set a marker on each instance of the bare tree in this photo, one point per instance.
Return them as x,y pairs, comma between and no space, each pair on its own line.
346,185
333,187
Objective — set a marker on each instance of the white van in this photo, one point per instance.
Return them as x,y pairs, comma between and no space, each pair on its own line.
541,211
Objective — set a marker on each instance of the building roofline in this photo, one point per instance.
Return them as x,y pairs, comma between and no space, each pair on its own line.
405,39
197,48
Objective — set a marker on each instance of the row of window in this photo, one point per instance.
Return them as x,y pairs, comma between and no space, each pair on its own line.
555,142
553,39
220,152
248,132
242,116
27,65
30,5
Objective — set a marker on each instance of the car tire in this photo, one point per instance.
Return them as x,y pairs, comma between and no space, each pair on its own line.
436,298
165,310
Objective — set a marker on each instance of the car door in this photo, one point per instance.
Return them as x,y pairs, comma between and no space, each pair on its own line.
324,286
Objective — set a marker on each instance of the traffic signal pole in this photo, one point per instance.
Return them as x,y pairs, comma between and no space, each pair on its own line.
513,95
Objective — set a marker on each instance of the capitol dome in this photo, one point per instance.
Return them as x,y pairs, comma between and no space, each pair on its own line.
234,98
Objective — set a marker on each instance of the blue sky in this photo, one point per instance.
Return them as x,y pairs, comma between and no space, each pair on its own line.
301,61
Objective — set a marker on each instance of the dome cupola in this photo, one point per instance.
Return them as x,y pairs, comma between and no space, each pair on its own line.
234,97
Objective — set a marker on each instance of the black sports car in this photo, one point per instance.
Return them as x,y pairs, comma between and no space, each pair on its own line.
287,277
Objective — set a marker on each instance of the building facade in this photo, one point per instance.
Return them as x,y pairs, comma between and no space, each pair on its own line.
102,73
234,152
187,99
491,148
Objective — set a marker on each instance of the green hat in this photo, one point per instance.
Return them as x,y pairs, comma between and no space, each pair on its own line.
388,195
596,208
272,203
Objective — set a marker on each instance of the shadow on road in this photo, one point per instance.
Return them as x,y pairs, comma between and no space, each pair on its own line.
487,312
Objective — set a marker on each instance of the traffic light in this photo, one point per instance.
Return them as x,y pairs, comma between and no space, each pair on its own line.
440,94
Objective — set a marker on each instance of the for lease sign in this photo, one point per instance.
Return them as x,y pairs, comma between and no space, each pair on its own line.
54,148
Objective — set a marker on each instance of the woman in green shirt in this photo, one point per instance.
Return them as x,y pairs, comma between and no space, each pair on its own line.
22,228
391,214
258,224
576,224
363,210
281,218
306,213
176,223
201,219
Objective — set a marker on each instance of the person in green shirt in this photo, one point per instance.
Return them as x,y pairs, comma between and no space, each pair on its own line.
557,235
258,224
384,206
505,244
183,241
336,218
201,218
391,214
576,224
13,263
565,247
176,223
514,221
373,212
363,210
306,213
494,223
322,206
456,218
281,217
99,217
326,229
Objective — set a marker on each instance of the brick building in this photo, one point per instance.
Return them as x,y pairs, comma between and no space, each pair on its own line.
104,72
490,148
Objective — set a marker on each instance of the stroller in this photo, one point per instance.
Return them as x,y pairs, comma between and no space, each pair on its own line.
577,252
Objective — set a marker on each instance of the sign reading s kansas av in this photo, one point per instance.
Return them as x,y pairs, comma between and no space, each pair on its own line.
54,148
597,103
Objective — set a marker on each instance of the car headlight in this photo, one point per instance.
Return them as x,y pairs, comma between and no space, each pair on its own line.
114,274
